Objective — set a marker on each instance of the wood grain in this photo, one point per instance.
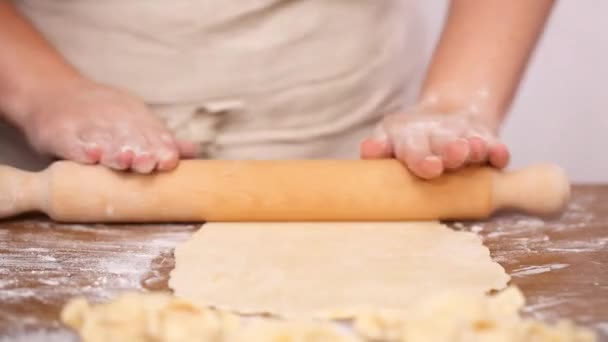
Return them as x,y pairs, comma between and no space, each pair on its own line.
561,264
277,190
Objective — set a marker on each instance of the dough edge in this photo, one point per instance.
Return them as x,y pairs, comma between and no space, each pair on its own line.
181,275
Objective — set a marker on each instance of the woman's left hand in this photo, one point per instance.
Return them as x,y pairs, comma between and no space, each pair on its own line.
429,143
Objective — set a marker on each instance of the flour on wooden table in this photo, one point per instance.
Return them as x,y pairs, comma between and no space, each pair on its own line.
528,270
42,336
515,239
76,260
529,234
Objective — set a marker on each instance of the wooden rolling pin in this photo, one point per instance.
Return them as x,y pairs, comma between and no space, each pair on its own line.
311,190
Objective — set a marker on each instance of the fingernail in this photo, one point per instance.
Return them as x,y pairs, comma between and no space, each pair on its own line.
143,162
145,167
433,167
432,159
92,152
165,154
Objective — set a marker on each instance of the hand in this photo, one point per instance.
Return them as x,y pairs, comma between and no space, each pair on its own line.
429,143
91,123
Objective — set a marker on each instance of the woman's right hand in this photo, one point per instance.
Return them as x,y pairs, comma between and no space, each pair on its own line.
65,115
90,123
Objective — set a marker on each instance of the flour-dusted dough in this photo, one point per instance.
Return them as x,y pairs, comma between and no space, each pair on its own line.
320,269
134,317
160,317
465,316
453,317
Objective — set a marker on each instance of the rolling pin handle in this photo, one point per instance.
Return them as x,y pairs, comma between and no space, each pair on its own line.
20,192
541,189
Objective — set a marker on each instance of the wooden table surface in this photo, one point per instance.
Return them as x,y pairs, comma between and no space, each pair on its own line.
561,264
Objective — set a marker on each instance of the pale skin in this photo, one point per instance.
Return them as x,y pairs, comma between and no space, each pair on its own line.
470,84
69,116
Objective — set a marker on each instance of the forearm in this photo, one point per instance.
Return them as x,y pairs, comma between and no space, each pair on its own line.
482,55
28,62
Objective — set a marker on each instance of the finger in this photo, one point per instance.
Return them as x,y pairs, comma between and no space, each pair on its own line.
430,167
375,149
168,158
456,154
117,160
145,148
80,153
167,154
92,153
125,157
188,149
144,162
379,145
110,150
499,155
413,148
453,150
125,150
137,158
120,156
478,148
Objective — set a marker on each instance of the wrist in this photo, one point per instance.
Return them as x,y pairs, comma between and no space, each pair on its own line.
19,100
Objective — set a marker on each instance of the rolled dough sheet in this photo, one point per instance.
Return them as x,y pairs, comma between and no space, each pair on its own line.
329,269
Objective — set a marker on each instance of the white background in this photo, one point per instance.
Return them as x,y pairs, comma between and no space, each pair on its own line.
561,113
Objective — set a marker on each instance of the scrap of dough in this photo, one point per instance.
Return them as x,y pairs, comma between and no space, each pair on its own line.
465,316
451,317
159,317
280,331
136,317
329,269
